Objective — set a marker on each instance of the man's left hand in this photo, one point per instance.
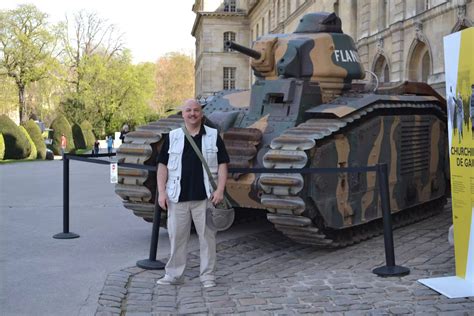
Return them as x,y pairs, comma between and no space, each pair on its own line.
217,197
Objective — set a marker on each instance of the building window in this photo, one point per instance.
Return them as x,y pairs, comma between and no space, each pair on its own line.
229,6
422,5
229,78
228,36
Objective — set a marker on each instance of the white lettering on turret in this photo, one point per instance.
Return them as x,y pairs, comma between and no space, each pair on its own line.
346,55
355,56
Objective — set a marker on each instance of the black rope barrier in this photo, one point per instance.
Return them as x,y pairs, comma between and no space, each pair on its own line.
66,234
304,170
390,269
151,263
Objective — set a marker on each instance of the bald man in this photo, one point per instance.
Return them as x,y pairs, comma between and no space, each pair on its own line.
185,191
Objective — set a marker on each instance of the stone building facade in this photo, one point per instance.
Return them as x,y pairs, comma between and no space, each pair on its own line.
397,39
217,68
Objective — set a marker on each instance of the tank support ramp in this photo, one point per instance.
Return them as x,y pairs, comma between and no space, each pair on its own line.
289,211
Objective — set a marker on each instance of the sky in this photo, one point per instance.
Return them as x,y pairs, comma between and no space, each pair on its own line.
151,28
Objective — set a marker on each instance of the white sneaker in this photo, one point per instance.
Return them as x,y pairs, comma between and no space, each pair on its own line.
167,280
208,283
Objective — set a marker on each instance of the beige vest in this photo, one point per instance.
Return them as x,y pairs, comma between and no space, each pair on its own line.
209,150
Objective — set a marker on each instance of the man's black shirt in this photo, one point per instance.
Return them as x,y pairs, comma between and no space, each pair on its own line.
192,178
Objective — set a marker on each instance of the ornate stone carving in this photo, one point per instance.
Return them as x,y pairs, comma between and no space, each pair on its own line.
419,32
380,46
461,13
462,21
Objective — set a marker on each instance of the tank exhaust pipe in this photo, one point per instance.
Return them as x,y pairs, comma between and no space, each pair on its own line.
242,49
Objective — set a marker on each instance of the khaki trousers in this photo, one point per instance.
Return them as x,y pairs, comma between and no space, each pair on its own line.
179,228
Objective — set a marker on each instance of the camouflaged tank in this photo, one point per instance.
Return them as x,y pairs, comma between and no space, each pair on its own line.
303,111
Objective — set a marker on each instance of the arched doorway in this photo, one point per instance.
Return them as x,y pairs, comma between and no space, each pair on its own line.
419,65
381,69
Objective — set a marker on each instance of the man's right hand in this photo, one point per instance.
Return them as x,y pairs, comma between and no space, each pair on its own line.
163,200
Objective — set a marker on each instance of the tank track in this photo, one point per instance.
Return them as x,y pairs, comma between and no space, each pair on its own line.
288,211
137,192
241,145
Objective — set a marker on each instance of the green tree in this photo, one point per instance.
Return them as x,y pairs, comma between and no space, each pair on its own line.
92,35
8,95
27,46
174,81
44,96
60,126
33,153
89,136
114,92
134,107
2,147
17,145
106,89
34,131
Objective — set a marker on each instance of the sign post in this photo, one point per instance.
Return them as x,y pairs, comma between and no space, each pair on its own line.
459,70
113,173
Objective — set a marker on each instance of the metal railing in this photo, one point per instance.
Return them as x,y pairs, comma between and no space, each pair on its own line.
390,269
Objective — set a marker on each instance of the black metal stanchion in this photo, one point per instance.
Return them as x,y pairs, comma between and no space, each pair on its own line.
390,269
65,234
151,263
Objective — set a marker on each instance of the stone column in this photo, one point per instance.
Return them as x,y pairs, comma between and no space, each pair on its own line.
397,36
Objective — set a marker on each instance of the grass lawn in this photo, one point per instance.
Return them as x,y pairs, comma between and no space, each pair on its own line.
83,151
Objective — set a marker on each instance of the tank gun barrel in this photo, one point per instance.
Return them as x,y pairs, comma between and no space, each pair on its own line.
242,49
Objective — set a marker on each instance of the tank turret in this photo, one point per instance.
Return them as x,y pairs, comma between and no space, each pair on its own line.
317,51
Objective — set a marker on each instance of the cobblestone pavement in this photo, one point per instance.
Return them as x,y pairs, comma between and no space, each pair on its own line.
265,273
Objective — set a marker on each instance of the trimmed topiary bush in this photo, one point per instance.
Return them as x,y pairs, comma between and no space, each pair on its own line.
88,134
17,145
60,125
79,139
33,152
2,147
35,133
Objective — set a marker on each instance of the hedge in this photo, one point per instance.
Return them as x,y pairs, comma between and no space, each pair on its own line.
60,125
2,147
78,134
35,133
33,152
88,134
17,145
